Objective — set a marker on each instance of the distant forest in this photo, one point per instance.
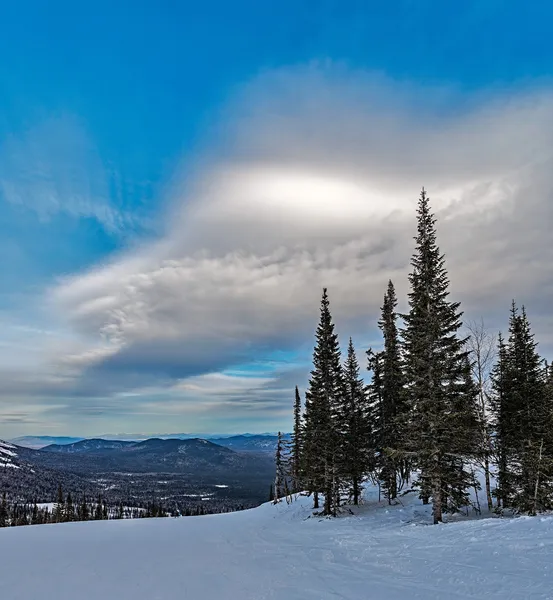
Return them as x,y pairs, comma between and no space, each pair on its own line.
447,401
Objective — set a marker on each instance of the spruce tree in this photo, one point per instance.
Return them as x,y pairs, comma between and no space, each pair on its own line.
523,420
3,511
59,506
279,469
355,430
69,511
392,405
321,447
296,444
442,424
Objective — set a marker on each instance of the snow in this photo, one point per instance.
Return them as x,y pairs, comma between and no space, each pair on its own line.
6,454
283,552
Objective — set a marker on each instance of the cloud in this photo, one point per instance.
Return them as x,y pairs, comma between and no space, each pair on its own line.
312,181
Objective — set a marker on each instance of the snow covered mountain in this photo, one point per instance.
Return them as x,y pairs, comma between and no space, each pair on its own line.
8,456
282,552
24,476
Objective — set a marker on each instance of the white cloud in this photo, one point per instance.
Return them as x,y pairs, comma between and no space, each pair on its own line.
315,184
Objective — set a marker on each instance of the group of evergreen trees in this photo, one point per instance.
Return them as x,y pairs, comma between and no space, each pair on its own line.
426,417
65,510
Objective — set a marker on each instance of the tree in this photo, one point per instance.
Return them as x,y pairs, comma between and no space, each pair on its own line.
280,474
3,511
481,345
391,414
59,506
523,420
356,435
442,424
296,444
69,512
320,455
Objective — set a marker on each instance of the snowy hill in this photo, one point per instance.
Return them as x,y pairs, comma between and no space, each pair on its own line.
282,552
24,476
8,456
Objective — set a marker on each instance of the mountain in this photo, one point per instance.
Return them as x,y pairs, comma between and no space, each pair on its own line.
181,473
39,441
262,443
88,445
24,476
196,457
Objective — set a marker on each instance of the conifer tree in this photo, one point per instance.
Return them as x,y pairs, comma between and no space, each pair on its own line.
442,425
320,455
279,469
69,509
296,444
35,515
356,435
3,511
392,405
59,506
523,421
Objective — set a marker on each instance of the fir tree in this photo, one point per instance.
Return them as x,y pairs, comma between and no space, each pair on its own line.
392,405
59,506
356,435
3,511
321,438
442,425
35,517
523,421
280,474
295,445
69,509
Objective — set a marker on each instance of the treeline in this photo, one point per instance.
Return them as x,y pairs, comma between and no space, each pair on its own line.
435,410
67,509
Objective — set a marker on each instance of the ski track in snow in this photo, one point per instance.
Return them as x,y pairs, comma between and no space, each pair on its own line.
282,552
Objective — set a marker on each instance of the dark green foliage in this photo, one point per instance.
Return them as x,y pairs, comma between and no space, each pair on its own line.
296,445
3,511
388,399
357,452
442,426
280,471
321,447
59,506
523,412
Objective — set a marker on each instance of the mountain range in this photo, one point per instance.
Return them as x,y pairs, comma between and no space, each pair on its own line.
238,468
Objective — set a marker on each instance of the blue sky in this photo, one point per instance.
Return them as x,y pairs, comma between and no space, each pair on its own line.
174,189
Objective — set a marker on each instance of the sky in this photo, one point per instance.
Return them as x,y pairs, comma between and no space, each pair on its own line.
179,181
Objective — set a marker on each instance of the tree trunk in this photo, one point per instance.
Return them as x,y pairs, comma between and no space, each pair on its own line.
488,484
355,491
437,500
315,499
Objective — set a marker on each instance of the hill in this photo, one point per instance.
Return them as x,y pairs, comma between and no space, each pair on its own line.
23,476
193,457
282,553
39,441
265,444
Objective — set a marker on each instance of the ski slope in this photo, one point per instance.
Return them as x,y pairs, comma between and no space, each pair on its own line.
379,553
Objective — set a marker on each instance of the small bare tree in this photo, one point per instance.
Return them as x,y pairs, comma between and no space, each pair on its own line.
482,344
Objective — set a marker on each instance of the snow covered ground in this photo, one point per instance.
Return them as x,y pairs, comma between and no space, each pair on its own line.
281,552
